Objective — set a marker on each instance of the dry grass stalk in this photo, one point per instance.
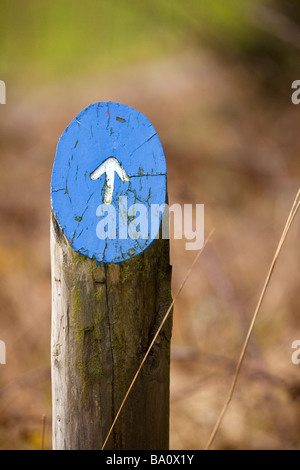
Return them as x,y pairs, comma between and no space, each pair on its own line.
43,432
289,222
155,337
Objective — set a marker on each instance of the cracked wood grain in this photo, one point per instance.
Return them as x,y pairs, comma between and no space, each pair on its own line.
103,320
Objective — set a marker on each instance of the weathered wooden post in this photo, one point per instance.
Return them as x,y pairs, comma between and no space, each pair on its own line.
111,282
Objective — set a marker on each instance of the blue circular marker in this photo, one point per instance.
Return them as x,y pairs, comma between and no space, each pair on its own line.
109,182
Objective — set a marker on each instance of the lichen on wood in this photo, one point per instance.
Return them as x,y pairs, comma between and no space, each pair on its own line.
103,319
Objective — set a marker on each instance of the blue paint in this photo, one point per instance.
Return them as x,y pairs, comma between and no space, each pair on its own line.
101,131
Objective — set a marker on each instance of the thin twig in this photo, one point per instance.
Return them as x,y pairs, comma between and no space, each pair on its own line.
275,23
242,356
155,337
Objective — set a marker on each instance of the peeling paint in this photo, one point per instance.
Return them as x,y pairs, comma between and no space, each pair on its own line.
75,197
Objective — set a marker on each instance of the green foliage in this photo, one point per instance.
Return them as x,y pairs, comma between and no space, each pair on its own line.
47,40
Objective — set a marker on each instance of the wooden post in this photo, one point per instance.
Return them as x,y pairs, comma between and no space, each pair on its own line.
109,291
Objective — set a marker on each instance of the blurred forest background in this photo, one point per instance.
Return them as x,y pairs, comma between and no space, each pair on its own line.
214,78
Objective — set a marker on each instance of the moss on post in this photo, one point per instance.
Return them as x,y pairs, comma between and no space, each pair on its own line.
104,318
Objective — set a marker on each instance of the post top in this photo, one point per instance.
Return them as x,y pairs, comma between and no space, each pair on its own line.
109,171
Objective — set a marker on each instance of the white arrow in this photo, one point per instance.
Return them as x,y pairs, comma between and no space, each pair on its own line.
109,167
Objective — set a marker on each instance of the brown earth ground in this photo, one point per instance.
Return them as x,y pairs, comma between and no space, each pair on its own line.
229,146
